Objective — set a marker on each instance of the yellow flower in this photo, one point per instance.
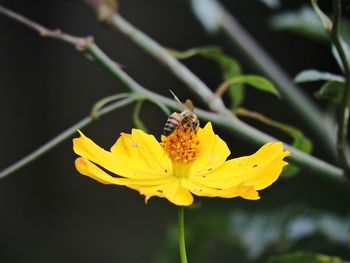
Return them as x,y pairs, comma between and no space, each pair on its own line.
184,163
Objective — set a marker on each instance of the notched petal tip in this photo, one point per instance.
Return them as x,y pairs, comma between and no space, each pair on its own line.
250,193
77,140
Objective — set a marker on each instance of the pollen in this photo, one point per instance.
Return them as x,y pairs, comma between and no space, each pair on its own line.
182,145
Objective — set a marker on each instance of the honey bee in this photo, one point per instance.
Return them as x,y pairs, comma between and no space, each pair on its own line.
186,118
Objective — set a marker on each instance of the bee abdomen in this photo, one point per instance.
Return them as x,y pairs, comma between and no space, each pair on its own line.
171,124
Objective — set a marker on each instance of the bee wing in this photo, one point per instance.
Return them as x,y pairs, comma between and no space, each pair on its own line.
189,105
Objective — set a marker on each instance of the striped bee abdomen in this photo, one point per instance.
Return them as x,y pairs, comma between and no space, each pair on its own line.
173,121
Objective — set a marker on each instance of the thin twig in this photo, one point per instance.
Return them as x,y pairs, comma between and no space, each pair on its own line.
344,106
61,138
116,21
103,102
80,43
237,127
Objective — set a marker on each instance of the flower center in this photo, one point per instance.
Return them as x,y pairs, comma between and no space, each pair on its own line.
182,145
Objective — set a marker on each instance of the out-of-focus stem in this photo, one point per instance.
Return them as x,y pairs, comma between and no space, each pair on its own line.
344,106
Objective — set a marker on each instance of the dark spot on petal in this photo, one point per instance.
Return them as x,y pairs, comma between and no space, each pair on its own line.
204,176
255,165
160,191
166,170
200,190
210,169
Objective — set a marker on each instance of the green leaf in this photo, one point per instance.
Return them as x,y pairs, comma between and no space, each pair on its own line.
331,91
306,257
254,81
303,22
230,69
315,75
258,82
229,66
326,22
335,53
337,57
306,22
344,28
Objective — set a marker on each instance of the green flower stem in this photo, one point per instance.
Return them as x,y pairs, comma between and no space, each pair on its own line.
344,106
264,63
182,244
229,121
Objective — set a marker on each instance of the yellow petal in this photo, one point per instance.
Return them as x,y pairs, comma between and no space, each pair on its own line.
214,151
87,168
173,191
118,164
202,190
143,149
86,148
166,184
247,192
258,170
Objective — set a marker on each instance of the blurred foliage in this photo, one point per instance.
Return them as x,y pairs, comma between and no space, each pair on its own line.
233,79
303,257
314,23
315,75
273,4
307,23
325,20
229,66
257,233
254,81
303,22
331,90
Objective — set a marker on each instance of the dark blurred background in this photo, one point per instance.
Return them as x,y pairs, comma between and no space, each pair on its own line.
49,212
